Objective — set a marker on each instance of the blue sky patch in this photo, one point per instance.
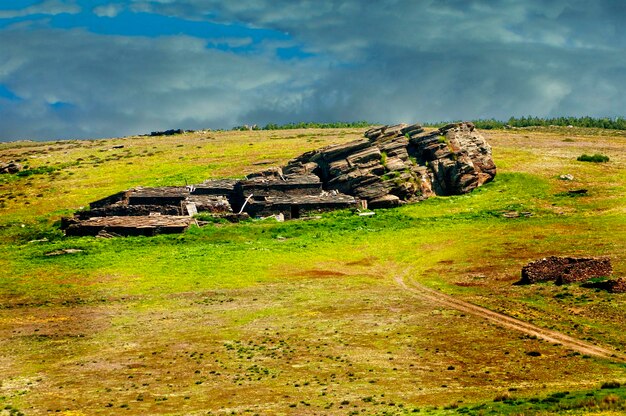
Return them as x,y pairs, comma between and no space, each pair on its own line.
18,5
8,94
60,105
155,25
293,52
233,37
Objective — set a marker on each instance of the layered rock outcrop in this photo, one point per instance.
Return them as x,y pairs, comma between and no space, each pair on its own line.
391,165
402,163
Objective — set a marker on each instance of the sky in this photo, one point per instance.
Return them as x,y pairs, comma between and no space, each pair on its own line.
99,68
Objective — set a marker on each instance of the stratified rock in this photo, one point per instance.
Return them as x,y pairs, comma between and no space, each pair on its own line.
403,161
392,165
123,209
566,269
215,187
459,157
213,204
130,226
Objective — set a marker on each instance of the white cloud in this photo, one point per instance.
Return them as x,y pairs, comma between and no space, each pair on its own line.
384,61
47,7
109,10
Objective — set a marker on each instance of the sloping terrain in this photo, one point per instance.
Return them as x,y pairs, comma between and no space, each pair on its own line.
307,317
505,321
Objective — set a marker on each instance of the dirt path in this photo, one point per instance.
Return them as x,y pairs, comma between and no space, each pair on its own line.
508,322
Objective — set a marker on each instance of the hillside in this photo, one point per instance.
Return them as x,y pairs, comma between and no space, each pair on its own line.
335,315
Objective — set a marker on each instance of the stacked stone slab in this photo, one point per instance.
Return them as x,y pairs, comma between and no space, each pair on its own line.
169,200
127,225
563,270
272,192
147,211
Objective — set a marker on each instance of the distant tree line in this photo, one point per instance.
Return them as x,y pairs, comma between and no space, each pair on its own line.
617,123
307,125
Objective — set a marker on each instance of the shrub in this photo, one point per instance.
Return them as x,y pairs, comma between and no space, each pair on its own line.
383,159
611,399
36,171
611,385
597,158
504,397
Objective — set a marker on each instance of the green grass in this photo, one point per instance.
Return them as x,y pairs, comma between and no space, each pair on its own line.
580,402
305,316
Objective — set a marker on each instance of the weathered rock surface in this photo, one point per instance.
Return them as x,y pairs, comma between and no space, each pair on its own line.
125,210
136,225
402,163
566,269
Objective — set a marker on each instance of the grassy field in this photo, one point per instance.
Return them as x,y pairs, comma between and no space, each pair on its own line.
306,317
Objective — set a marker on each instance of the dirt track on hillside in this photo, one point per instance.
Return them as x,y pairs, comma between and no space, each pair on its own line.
509,322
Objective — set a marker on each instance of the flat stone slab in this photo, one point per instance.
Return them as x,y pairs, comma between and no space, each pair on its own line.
166,195
129,226
292,206
215,187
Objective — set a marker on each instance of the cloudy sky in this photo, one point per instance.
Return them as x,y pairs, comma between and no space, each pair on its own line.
104,68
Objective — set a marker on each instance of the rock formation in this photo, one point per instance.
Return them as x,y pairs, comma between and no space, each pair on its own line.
402,163
566,269
390,166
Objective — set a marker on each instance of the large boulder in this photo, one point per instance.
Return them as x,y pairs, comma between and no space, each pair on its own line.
402,163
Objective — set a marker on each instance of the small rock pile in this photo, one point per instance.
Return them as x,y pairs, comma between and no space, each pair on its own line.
564,270
10,167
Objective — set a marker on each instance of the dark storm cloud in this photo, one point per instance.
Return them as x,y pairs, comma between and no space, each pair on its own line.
70,83
446,59
383,61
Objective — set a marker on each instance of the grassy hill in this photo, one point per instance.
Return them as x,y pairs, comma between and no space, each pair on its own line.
308,317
